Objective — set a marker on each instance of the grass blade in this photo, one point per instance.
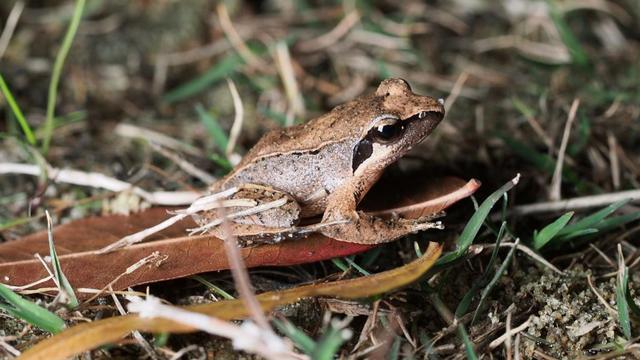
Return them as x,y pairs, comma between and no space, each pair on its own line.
540,239
622,284
475,223
299,337
592,220
218,135
57,71
617,221
17,112
464,304
496,277
578,55
21,308
67,294
212,287
222,69
468,344
331,341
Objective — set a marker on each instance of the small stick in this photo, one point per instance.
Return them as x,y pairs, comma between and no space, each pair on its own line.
556,181
497,342
456,90
241,276
236,40
285,68
613,160
507,342
10,26
183,164
333,36
136,334
98,180
577,203
238,119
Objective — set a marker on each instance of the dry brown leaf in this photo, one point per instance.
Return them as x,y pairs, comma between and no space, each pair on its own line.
88,336
186,255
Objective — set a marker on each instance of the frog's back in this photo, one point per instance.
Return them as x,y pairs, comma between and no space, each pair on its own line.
300,160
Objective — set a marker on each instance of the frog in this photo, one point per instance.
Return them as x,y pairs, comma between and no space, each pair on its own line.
319,172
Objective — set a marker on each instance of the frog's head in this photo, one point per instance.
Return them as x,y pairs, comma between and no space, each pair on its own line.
402,119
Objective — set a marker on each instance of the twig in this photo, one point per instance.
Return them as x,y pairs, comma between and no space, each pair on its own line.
10,26
577,203
254,209
237,120
236,40
285,68
204,203
101,181
164,61
333,36
133,131
154,257
507,342
497,342
527,251
613,160
246,337
456,90
180,353
241,276
601,299
8,348
603,255
136,334
183,164
556,181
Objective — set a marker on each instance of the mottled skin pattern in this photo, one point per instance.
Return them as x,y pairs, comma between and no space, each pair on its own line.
314,165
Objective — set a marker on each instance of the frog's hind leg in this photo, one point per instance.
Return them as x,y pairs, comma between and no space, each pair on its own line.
257,214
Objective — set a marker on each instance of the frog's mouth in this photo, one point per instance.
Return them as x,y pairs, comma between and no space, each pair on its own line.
426,121
415,194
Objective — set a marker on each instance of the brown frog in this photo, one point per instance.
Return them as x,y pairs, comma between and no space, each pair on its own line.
326,166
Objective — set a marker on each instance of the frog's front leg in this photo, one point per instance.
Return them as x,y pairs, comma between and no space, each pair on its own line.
262,215
359,227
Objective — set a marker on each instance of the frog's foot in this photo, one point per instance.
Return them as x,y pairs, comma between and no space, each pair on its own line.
248,235
251,208
363,228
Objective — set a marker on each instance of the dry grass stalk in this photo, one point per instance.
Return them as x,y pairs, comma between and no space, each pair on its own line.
556,181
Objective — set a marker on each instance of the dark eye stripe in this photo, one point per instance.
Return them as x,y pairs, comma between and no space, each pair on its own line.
361,152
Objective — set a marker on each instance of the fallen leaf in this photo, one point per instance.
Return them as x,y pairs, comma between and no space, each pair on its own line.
181,255
87,336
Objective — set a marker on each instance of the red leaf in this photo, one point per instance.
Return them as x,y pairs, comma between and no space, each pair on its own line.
185,255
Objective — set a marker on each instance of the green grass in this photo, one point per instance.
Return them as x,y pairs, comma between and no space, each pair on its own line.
541,238
468,344
212,287
325,348
219,136
578,55
17,113
222,69
21,308
560,232
624,301
473,226
57,71
67,296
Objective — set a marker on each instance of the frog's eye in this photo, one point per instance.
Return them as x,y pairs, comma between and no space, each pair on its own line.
388,131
